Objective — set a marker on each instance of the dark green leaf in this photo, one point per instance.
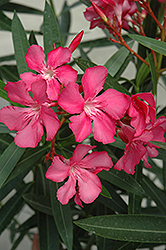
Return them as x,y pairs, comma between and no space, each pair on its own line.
5,22
21,44
19,239
8,161
122,180
4,2
29,160
62,217
156,45
110,81
40,203
159,144
5,140
51,30
32,38
9,73
28,224
154,193
86,2
65,22
105,193
117,60
153,73
101,42
7,58
21,8
12,206
142,73
134,228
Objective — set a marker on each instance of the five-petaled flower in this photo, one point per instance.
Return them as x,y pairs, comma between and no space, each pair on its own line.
102,109
81,172
29,121
54,72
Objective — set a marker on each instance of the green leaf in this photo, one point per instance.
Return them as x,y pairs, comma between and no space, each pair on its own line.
32,38
2,2
12,206
48,234
7,58
110,81
19,239
5,22
101,42
153,73
8,161
62,217
86,2
134,228
105,193
117,60
21,8
154,193
142,73
21,44
40,203
65,22
122,180
9,73
28,224
151,43
159,144
5,140
51,30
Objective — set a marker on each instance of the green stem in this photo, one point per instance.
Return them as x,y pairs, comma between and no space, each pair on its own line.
52,6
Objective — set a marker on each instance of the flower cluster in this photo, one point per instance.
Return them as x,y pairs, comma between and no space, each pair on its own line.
90,109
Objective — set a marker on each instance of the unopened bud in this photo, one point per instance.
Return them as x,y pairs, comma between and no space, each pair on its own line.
100,12
76,41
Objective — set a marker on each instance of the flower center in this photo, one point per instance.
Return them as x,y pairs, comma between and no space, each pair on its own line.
92,108
48,74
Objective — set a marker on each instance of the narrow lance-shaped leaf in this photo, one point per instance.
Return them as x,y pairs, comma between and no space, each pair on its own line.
134,228
51,31
151,43
8,160
116,61
153,73
5,22
21,44
62,217
65,22
21,8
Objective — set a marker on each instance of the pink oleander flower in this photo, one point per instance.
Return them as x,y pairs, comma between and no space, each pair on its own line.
81,171
54,72
139,147
102,109
118,12
29,121
142,110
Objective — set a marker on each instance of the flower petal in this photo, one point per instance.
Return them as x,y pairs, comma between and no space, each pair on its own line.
67,191
50,121
98,161
58,57
89,186
80,151
30,136
53,89
93,81
17,92
39,91
29,78
66,74
71,100
58,171
35,58
104,128
116,103
81,126
14,117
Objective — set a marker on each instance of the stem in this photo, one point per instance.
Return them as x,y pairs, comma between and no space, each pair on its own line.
52,6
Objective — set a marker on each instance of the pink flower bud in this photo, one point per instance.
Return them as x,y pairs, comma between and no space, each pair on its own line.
100,12
76,41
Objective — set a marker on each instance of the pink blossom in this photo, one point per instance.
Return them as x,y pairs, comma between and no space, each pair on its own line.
103,109
118,12
142,110
54,72
139,147
81,172
29,121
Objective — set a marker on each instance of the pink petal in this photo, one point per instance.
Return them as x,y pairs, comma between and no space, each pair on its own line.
78,200
104,129
50,121
53,89
67,191
14,117
71,100
116,103
58,171
30,136
66,74
89,186
76,41
39,91
81,126
98,161
17,92
58,57
93,81
29,78
80,151
35,58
